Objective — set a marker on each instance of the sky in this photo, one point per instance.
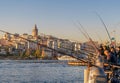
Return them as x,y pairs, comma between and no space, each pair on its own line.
60,17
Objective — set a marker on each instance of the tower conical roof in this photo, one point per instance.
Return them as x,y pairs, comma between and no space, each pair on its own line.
35,26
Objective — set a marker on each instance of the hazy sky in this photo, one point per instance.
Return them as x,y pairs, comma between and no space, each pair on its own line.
57,17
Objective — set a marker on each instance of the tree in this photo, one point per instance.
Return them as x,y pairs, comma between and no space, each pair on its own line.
38,53
27,53
43,54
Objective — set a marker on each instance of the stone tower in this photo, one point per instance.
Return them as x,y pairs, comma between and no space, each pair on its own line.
35,31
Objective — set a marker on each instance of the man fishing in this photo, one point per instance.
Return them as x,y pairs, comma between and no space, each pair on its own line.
118,55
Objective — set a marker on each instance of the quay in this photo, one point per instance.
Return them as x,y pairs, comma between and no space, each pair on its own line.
77,63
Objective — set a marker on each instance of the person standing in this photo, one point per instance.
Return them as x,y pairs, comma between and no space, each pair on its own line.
118,55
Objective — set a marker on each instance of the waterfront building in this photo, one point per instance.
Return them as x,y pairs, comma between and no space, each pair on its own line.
25,35
21,42
76,46
32,45
7,36
88,46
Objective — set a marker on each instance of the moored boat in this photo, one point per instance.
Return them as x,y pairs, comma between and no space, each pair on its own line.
77,63
65,57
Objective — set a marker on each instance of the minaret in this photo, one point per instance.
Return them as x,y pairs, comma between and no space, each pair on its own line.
35,31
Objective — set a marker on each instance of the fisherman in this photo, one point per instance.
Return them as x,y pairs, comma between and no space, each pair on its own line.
118,55
115,76
107,56
113,51
101,50
113,55
105,47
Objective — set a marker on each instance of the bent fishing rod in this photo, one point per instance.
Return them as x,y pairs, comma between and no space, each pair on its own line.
99,38
86,35
104,26
90,39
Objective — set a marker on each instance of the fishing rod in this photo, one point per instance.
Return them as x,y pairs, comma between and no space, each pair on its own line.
99,37
88,37
81,31
84,32
104,26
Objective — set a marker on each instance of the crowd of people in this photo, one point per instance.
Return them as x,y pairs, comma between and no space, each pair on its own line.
111,54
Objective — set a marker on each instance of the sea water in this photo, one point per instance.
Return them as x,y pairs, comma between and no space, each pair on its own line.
36,71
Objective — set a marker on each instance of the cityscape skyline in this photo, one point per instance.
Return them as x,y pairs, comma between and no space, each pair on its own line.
57,18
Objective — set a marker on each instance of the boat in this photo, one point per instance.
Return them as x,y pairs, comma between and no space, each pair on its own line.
65,57
77,63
